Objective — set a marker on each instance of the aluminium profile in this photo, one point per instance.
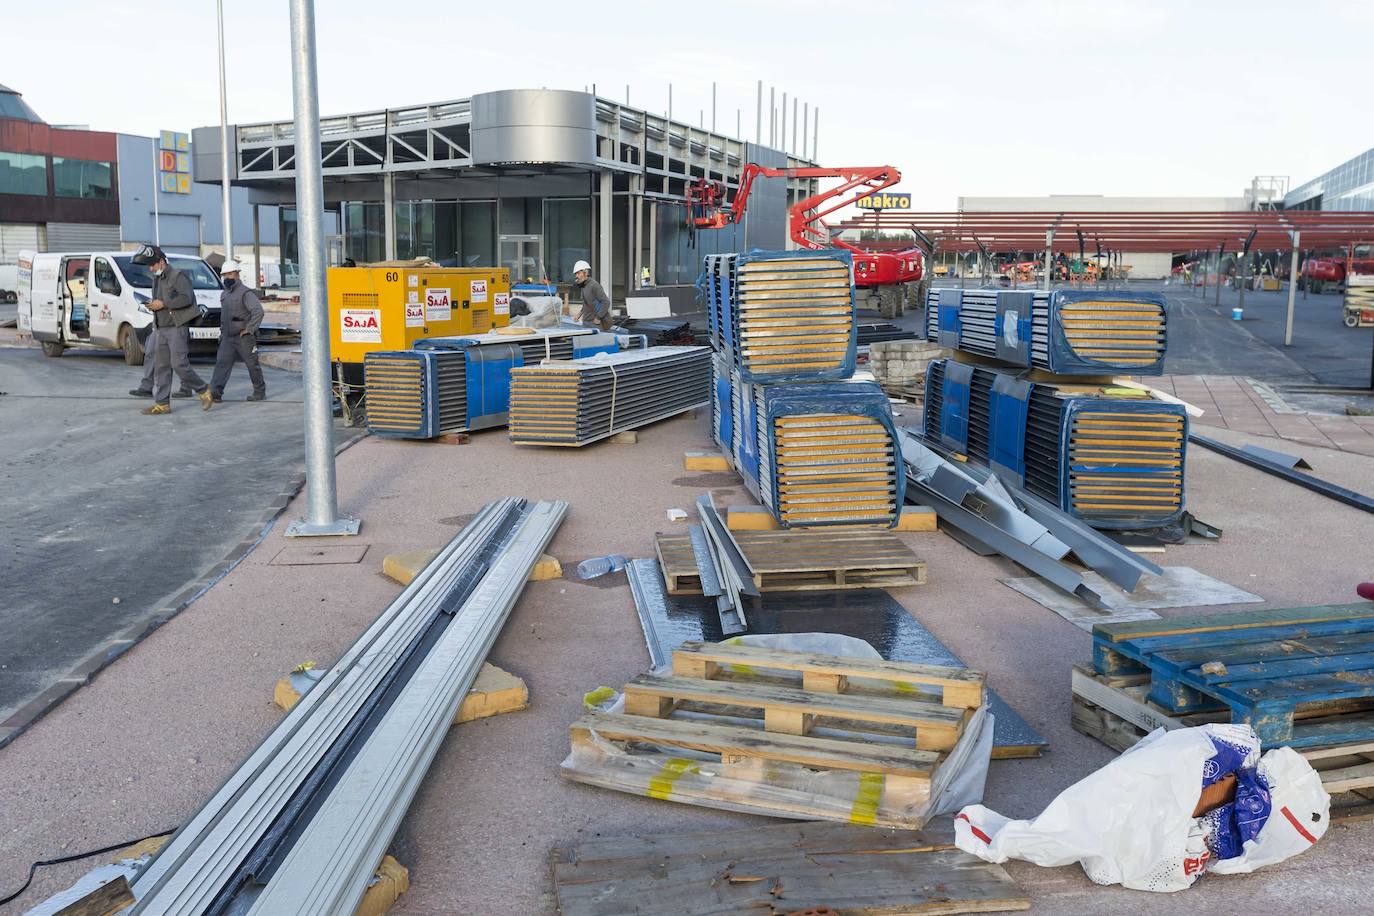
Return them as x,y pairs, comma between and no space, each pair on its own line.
1307,481
947,494
190,870
331,862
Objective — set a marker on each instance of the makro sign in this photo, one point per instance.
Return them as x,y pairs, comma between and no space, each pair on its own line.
884,201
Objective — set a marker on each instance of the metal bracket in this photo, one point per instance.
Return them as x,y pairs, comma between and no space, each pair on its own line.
340,527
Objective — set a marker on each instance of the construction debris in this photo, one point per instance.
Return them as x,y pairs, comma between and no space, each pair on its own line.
778,869
585,400
1286,470
807,735
899,366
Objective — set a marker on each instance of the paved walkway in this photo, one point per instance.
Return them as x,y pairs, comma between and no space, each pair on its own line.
1234,402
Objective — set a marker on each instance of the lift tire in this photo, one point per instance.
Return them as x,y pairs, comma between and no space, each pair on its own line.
1316,287
129,343
53,348
1351,321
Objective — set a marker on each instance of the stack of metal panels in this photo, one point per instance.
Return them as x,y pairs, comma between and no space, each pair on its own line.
581,401
1067,332
814,454
1112,457
783,315
303,822
455,384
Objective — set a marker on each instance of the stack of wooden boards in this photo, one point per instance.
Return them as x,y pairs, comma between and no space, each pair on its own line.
1300,677
800,560
793,734
781,868
580,401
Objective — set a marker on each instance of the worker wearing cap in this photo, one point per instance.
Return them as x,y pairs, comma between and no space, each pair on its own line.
596,305
174,307
240,314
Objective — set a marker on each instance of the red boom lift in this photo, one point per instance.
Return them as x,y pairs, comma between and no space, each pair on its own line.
707,209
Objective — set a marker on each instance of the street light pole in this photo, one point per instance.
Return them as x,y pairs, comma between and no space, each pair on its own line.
321,502
224,142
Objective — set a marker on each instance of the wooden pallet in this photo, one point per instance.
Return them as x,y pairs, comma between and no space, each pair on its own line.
781,868
754,729
1265,668
802,560
1117,711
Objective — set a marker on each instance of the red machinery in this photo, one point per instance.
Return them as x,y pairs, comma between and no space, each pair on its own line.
707,209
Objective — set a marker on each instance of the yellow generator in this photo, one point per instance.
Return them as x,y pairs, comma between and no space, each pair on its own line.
390,306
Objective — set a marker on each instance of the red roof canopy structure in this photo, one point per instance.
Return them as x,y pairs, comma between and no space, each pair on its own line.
1137,232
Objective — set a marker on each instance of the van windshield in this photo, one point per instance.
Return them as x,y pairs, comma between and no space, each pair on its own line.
202,277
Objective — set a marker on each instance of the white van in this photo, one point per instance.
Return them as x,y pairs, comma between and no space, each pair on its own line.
100,298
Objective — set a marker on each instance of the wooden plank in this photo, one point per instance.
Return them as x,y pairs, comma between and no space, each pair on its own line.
733,742
795,711
778,869
960,687
1209,623
106,900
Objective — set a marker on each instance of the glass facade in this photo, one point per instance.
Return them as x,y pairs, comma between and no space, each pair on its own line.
676,262
82,178
1349,186
23,173
465,233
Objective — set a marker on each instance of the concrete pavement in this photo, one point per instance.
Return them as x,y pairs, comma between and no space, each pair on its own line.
153,735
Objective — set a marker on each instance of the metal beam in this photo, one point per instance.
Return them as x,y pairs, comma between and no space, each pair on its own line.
1307,481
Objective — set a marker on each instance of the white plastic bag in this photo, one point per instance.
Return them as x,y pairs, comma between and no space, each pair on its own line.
1131,822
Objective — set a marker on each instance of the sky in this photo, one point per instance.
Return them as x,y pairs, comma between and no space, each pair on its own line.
970,98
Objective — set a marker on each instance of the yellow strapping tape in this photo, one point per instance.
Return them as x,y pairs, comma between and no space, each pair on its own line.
596,697
865,810
661,786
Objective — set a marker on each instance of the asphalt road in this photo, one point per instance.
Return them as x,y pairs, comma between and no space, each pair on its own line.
98,502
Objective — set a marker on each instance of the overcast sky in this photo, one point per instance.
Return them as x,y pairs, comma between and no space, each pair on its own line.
966,98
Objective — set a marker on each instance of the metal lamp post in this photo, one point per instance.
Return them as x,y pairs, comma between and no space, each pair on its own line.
322,514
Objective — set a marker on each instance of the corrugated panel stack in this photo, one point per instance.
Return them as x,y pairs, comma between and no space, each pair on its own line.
580,401
1110,455
812,447
456,384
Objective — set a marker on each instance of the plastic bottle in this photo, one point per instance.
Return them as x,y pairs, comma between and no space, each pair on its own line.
599,566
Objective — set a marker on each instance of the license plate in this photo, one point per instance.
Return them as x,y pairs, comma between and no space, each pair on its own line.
205,333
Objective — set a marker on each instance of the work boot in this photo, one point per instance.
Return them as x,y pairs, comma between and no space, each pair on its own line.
141,392
257,396
183,393
216,397
156,409
206,399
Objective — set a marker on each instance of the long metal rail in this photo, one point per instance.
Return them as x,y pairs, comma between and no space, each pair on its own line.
193,869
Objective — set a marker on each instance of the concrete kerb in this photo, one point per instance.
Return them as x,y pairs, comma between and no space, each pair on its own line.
86,670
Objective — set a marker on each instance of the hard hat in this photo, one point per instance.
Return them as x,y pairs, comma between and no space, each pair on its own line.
582,265
230,267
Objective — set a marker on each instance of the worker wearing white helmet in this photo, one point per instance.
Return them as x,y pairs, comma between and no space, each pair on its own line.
596,305
240,315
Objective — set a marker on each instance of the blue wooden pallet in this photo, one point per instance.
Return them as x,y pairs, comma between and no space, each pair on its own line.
1315,662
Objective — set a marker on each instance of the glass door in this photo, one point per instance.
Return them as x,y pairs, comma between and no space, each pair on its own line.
523,256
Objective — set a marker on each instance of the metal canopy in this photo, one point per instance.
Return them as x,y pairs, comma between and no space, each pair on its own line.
1137,232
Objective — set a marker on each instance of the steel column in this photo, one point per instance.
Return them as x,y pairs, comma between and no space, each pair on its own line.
322,513
1049,257
261,279
1292,289
389,216
606,223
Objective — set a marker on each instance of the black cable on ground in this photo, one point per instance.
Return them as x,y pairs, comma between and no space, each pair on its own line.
72,858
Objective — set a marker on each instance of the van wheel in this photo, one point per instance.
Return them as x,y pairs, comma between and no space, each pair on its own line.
53,348
11,297
128,342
